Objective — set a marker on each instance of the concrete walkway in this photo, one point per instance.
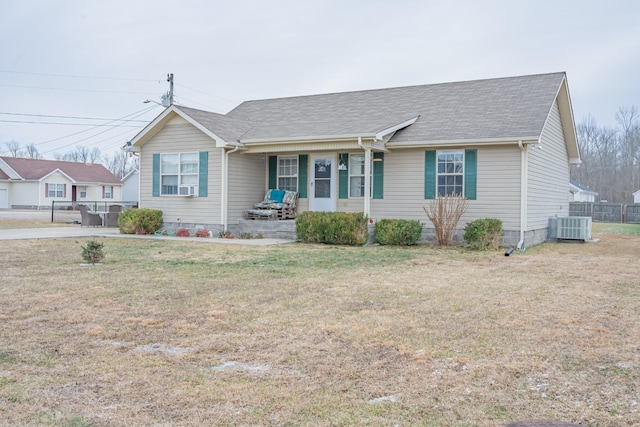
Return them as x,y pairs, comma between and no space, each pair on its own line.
88,232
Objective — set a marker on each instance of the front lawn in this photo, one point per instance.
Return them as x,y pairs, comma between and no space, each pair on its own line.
195,333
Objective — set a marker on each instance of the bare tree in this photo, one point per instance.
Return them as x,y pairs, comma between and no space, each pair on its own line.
14,148
95,155
610,156
118,164
444,213
82,154
32,152
629,142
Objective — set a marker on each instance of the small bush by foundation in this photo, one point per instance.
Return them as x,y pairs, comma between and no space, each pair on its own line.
336,228
202,232
399,232
182,232
134,221
483,233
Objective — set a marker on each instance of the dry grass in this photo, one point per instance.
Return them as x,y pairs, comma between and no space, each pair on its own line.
192,333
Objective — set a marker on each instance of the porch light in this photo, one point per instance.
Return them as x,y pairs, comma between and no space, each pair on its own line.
342,165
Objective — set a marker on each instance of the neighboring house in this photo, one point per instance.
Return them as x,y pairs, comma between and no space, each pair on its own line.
505,144
131,187
581,193
35,184
636,197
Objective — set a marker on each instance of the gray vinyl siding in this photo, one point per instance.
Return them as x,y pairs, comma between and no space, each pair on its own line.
548,175
176,137
247,174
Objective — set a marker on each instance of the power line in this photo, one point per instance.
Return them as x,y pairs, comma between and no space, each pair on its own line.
59,123
66,117
208,94
76,90
135,114
78,77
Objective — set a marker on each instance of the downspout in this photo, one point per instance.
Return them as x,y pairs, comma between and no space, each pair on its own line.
225,187
367,178
523,193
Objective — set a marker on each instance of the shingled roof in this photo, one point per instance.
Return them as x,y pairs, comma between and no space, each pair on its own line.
508,109
511,107
80,173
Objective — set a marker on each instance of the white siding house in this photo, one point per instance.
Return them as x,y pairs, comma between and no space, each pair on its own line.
36,184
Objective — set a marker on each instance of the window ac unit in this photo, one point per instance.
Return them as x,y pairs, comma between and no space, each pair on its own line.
188,190
574,228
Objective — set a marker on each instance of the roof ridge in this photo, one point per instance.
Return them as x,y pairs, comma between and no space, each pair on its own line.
401,87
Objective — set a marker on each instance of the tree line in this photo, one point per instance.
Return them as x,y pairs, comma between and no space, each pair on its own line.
610,156
120,163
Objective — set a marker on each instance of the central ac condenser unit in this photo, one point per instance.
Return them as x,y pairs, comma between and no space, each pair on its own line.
574,228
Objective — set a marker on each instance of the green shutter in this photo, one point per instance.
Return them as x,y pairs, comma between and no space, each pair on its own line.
430,174
155,176
378,175
203,174
273,172
303,167
470,172
343,177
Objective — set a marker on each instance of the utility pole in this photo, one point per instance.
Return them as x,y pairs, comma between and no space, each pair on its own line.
170,80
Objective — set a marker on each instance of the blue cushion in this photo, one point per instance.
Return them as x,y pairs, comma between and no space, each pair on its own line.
276,196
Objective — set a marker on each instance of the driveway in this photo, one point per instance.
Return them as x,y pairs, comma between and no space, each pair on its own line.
61,231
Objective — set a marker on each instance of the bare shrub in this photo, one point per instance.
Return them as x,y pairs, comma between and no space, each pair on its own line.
445,212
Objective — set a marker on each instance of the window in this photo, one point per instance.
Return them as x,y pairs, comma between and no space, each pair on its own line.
177,169
288,173
356,175
450,172
56,190
83,191
108,192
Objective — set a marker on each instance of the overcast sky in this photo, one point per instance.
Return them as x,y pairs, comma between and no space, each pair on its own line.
102,59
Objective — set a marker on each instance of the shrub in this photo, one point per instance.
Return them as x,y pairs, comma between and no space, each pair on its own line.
483,233
133,221
337,228
444,213
92,253
399,232
202,232
182,232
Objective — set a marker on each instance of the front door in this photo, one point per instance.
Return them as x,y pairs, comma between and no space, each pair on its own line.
323,196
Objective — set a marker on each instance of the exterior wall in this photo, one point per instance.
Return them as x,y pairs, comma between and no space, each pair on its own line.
548,175
498,188
94,194
130,188
636,197
179,136
247,183
28,195
5,193
581,196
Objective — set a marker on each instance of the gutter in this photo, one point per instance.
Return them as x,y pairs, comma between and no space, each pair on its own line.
524,168
367,178
225,187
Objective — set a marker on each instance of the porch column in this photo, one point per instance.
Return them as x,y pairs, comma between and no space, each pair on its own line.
367,182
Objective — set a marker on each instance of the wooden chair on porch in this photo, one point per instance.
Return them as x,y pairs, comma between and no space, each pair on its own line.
277,204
